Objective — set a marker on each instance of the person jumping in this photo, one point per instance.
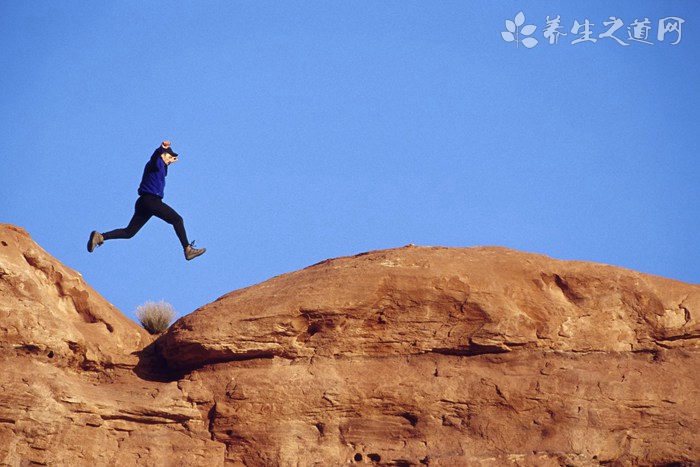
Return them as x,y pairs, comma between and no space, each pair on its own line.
150,203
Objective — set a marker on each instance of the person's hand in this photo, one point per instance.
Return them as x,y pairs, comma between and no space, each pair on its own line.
165,144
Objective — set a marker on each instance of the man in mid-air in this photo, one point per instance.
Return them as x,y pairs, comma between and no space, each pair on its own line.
150,203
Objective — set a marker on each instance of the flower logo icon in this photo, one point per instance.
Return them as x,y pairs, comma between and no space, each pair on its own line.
514,31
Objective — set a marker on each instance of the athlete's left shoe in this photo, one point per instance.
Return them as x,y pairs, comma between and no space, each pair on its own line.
96,239
191,252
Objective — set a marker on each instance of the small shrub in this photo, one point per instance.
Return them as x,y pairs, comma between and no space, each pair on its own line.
155,317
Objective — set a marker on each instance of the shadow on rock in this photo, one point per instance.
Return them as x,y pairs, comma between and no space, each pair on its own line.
153,367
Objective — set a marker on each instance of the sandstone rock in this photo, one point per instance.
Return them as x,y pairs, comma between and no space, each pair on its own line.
48,311
465,302
412,356
69,389
55,416
438,356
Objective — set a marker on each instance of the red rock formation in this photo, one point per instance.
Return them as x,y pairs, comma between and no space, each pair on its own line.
412,356
48,311
438,356
69,389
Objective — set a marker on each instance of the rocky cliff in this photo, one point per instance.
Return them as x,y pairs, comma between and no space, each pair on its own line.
70,390
412,356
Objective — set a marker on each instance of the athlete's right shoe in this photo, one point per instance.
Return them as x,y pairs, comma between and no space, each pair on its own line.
191,252
96,239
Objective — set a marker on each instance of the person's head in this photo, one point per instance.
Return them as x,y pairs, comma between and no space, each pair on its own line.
169,156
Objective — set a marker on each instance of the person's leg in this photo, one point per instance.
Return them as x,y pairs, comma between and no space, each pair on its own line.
141,215
169,215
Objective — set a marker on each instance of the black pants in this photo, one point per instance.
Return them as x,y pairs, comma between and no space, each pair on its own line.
146,207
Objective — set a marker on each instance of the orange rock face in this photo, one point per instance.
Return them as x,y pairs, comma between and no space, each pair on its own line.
47,310
412,356
437,356
70,390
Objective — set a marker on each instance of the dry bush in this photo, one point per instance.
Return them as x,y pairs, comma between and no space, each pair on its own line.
155,317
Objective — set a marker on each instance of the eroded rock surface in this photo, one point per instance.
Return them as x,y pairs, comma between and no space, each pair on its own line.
439,356
412,356
78,383
414,300
48,311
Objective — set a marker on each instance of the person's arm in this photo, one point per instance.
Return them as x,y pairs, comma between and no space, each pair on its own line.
153,162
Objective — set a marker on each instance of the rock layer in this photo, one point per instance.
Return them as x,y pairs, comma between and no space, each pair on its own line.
441,356
70,390
411,356
442,300
48,311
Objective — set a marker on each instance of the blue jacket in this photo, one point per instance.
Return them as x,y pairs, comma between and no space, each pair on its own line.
154,173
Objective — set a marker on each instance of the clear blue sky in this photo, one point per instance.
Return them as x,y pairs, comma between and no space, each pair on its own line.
316,129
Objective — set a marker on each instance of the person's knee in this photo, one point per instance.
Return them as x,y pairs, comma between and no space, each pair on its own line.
177,220
129,232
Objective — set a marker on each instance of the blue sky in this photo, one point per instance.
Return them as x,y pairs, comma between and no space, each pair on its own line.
316,129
